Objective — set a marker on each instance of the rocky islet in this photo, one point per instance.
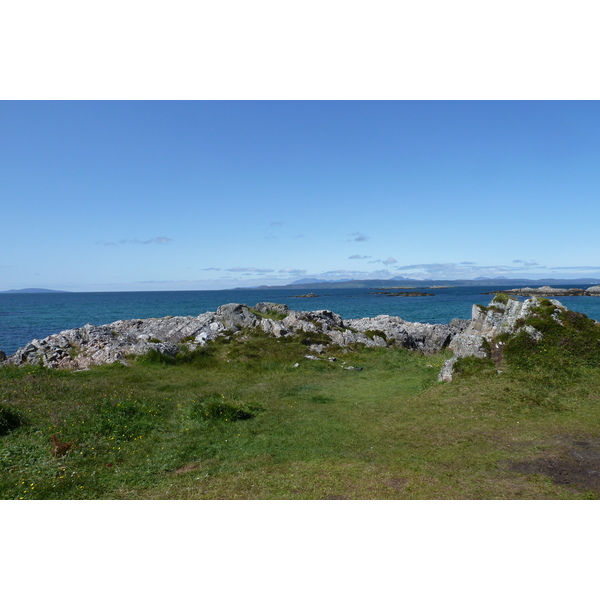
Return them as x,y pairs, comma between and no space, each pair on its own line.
547,290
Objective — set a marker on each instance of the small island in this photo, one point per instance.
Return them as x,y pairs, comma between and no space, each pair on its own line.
405,294
311,295
546,290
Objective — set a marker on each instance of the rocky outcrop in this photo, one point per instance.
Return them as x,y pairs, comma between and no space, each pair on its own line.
96,345
425,337
546,290
488,322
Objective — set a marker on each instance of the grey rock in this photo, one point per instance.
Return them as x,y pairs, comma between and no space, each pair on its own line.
95,345
266,307
425,337
317,348
236,316
274,328
447,370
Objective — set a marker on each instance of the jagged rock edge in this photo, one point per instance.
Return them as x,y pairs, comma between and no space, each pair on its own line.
91,345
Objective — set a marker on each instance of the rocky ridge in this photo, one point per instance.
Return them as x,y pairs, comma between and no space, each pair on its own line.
104,344
96,345
503,315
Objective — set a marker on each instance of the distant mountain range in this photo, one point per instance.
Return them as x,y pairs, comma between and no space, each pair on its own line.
425,283
35,291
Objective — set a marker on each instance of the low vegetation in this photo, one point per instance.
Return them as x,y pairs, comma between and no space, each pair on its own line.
237,419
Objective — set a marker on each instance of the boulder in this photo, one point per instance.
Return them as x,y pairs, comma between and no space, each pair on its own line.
236,316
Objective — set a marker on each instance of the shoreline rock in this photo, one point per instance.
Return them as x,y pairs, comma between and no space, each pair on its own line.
92,345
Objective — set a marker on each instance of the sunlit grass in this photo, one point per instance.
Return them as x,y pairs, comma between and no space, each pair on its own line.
238,420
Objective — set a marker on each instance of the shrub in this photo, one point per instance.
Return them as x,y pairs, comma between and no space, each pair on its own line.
269,314
10,419
501,298
126,419
569,340
154,357
371,333
216,408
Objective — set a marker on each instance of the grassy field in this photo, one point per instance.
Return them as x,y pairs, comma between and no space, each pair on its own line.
237,420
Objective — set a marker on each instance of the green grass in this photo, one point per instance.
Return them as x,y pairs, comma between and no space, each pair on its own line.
237,420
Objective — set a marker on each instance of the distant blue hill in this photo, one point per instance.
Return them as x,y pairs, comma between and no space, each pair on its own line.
35,291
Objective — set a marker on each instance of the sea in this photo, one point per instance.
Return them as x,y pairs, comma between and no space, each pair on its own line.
28,316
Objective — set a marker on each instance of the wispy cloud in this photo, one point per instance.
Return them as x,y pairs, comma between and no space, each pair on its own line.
248,270
357,236
574,268
156,240
345,273
357,257
388,261
290,271
469,270
276,224
211,269
526,263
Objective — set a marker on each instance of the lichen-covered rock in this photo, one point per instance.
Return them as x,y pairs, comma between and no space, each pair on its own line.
274,328
271,307
95,345
236,316
425,337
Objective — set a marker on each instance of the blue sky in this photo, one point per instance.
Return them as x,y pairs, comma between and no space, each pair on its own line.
150,195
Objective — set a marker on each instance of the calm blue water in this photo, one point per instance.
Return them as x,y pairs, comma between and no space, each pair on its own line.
24,317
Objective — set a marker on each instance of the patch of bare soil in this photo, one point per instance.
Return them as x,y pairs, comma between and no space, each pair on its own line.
576,463
397,483
188,468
